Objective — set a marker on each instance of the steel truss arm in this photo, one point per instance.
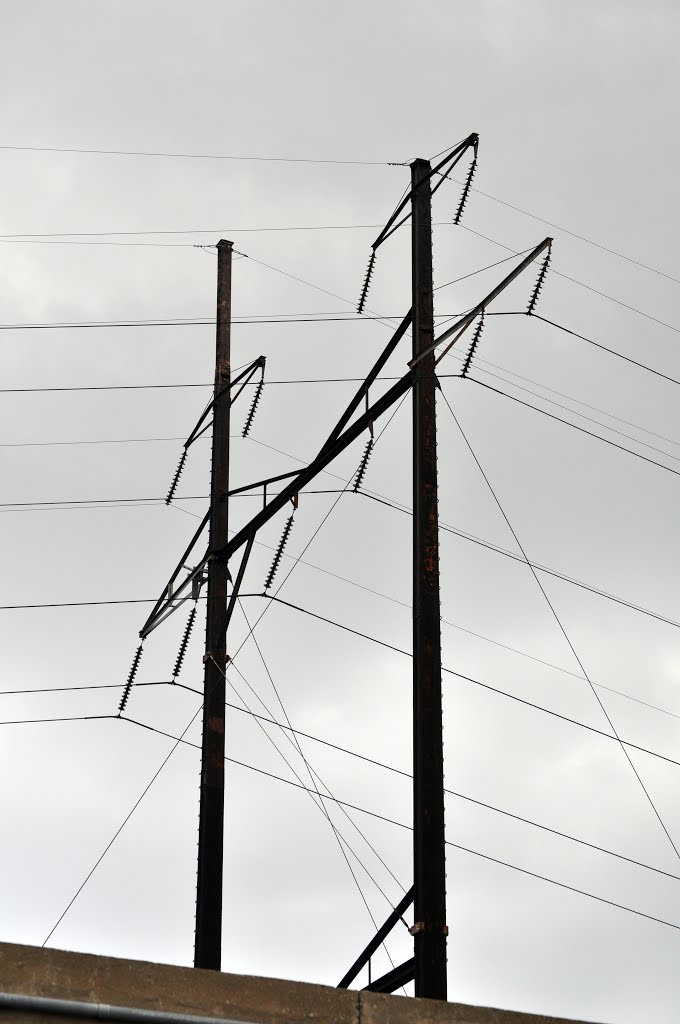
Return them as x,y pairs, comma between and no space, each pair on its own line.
246,376
239,577
451,159
168,597
325,456
373,373
470,316
302,478
395,978
332,447
375,942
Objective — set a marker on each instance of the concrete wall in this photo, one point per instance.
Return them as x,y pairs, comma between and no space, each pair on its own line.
28,970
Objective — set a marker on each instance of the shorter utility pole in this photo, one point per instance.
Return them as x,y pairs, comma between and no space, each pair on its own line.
429,850
208,945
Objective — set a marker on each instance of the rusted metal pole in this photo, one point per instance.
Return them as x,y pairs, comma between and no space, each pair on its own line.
429,864
208,945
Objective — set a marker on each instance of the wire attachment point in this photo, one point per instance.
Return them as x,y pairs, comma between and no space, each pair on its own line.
473,345
130,680
367,283
540,281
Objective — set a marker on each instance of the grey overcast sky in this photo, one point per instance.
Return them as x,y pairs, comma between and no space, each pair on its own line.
576,107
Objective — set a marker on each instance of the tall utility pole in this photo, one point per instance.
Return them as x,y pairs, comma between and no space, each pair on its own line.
208,946
429,865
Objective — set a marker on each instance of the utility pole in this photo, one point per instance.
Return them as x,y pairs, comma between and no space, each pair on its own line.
429,864
208,945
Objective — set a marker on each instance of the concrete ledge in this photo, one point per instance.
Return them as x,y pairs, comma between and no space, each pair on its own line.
30,970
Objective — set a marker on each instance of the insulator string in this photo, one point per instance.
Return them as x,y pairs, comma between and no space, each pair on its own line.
130,679
279,552
185,642
540,281
473,345
361,471
367,283
466,191
175,479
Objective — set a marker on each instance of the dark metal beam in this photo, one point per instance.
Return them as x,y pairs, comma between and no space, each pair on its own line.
370,378
208,944
429,850
236,586
379,937
394,979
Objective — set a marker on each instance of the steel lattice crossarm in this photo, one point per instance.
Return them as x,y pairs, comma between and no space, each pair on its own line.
442,170
340,437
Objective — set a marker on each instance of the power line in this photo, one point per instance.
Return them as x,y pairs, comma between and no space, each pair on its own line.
334,746
457,846
554,391
190,723
574,234
200,156
581,284
490,546
611,351
313,160
562,885
562,628
280,318
315,794
575,426
461,796
91,686
201,321
339,380
476,682
189,231
404,510
119,829
77,604
590,419
80,441
70,718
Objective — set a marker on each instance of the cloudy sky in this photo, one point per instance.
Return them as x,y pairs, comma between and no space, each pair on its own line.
575,107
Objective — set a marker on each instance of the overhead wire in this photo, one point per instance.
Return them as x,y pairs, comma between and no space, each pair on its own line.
604,348
480,363
575,426
293,738
590,419
382,817
313,775
574,234
267,319
199,156
560,624
476,682
352,753
118,831
581,284
390,503
315,795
